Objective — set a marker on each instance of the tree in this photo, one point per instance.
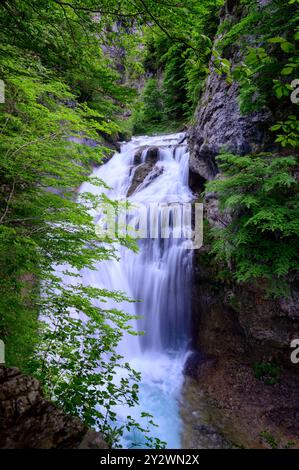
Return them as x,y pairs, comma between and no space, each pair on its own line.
59,86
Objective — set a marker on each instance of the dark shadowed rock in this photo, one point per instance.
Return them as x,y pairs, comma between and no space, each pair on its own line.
196,182
151,155
27,420
143,170
196,362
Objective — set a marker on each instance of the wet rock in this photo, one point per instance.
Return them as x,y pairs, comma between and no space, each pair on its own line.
198,415
27,420
143,170
207,433
228,402
195,364
140,174
151,155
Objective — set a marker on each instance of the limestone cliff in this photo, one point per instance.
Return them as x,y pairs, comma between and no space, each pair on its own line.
218,120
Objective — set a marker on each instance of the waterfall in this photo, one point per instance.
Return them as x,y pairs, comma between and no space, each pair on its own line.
159,275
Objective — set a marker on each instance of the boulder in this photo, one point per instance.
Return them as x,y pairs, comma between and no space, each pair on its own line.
28,420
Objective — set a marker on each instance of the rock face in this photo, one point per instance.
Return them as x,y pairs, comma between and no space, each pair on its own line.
239,321
227,401
236,325
218,121
219,124
224,310
27,420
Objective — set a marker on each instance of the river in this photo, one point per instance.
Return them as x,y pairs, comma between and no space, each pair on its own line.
159,275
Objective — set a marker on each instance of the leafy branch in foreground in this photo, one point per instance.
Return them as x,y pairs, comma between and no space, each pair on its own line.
43,226
78,365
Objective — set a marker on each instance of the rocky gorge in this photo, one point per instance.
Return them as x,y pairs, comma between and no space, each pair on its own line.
237,325
212,363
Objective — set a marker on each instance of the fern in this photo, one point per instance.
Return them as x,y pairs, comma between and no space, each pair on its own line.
262,239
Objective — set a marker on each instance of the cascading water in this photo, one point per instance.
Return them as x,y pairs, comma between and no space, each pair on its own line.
159,275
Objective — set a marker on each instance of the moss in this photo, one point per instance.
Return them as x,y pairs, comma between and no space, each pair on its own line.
268,372
275,443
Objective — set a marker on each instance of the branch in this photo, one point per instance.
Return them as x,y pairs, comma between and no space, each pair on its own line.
32,142
102,12
157,22
8,201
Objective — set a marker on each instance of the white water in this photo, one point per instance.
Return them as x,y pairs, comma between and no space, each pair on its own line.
159,275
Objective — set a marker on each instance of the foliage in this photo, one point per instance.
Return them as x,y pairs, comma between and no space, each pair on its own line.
274,443
36,155
271,58
78,365
259,191
60,87
261,194
63,35
41,228
289,132
178,62
268,372
151,111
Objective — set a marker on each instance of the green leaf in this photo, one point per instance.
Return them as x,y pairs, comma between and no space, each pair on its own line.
287,71
287,47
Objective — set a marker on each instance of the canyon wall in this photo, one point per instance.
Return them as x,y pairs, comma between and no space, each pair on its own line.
254,318
218,120
235,325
